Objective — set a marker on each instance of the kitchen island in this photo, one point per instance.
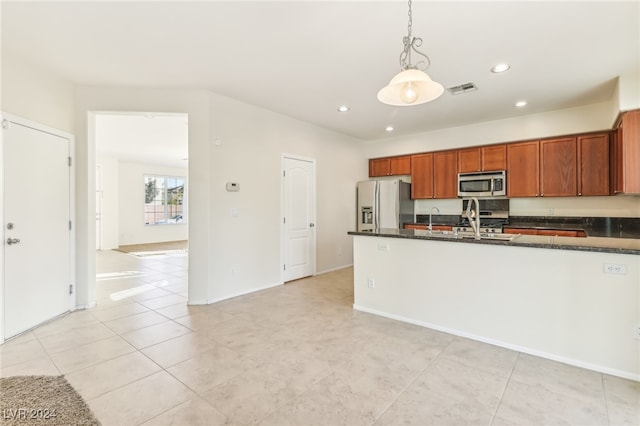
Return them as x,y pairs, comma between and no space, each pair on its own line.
574,300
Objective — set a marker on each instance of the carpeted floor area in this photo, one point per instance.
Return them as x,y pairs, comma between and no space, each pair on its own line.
42,400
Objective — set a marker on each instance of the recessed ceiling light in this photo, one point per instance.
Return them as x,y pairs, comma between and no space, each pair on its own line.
389,129
344,108
498,68
521,104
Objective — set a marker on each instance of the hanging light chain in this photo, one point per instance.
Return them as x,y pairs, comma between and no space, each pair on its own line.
410,24
412,43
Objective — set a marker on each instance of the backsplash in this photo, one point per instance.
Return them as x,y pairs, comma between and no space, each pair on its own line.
614,206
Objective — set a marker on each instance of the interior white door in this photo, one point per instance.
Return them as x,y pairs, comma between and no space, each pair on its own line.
36,229
299,218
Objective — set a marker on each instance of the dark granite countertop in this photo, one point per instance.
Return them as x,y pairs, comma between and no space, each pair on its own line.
592,244
605,227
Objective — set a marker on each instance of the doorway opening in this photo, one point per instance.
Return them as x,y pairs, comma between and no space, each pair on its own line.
141,206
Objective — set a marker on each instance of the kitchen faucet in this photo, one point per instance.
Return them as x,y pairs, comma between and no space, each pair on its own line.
431,211
474,217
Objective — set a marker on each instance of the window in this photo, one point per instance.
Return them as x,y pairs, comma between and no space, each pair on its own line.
164,200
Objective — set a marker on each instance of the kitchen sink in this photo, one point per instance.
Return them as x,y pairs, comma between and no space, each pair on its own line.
470,235
441,234
489,236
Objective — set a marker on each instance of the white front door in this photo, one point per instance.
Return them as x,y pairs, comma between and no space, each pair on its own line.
37,251
299,218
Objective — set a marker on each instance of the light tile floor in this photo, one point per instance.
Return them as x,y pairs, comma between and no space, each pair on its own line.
293,355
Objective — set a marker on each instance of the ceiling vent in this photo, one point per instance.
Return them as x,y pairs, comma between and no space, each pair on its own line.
463,88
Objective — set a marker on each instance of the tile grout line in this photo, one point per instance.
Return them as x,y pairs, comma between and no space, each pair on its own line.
413,381
506,385
604,396
48,355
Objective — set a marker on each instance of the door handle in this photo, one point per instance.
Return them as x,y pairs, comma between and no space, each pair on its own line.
11,241
311,225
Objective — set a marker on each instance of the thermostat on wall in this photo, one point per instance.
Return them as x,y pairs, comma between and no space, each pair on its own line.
233,186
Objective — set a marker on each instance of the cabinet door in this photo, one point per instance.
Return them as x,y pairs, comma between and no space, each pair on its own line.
445,174
523,231
400,165
615,172
378,167
558,159
494,158
593,165
422,176
557,233
469,160
629,145
414,226
523,169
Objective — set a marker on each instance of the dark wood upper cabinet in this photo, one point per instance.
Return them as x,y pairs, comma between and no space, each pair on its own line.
558,160
422,176
523,169
400,165
486,158
593,165
625,161
494,157
469,160
390,166
445,174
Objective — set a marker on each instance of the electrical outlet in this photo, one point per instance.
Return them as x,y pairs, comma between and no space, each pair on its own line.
636,332
371,283
615,268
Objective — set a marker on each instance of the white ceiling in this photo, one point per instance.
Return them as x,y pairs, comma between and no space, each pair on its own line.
304,59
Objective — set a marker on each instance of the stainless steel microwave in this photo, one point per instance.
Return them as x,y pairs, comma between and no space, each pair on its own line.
482,184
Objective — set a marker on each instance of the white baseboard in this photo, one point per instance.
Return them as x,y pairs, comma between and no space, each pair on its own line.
523,349
232,295
337,268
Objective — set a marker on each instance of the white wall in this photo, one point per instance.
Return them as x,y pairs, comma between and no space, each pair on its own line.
110,202
614,206
557,304
251,142
561,122
628,93
132,229
37,94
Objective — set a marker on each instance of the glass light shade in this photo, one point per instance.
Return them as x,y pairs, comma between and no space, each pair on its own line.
399,91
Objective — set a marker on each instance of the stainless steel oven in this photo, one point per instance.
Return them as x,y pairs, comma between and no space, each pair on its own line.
494,214
482,184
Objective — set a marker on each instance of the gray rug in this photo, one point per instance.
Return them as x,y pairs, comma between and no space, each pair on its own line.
42,400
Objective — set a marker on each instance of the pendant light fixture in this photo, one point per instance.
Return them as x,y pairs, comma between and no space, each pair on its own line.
411,86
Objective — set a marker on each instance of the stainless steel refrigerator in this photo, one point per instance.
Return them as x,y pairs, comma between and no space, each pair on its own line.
384,204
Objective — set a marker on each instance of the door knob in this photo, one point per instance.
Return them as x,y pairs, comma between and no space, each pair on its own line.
11,241
311,225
